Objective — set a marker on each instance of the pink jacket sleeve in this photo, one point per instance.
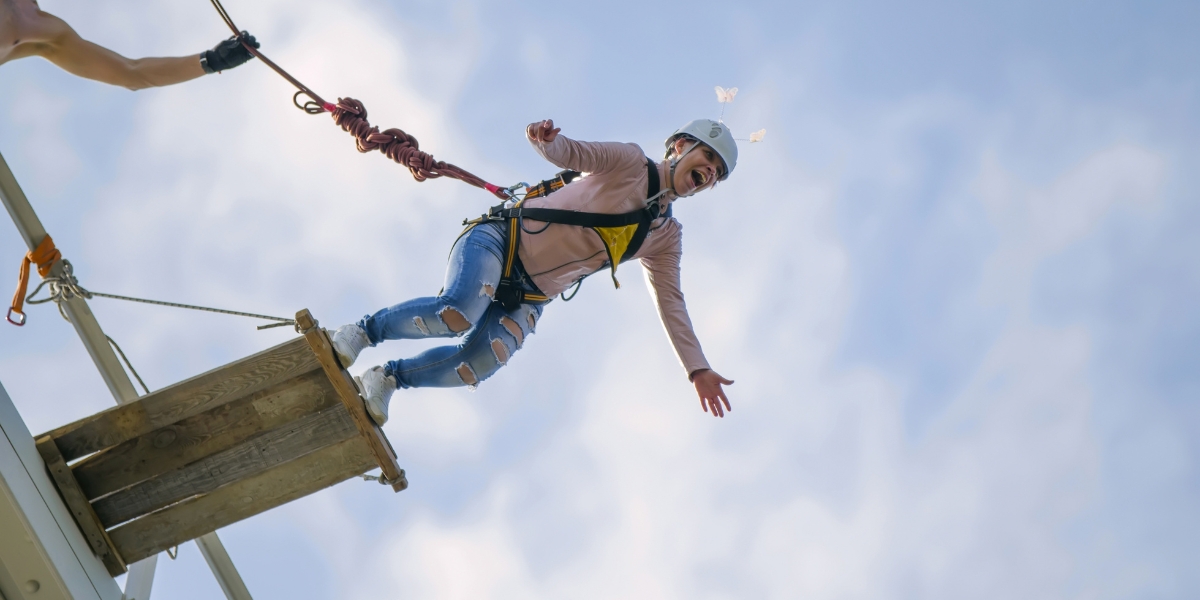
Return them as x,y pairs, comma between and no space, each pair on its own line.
661,266
588,157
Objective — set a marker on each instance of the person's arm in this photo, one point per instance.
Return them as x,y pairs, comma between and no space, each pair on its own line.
57,42
78,56
585,157
661,267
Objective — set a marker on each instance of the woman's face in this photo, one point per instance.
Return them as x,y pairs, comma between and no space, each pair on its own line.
698,170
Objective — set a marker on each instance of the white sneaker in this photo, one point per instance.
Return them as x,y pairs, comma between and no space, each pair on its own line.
348,341
376,389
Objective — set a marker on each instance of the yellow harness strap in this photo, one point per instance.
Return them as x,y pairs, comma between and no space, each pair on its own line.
514,230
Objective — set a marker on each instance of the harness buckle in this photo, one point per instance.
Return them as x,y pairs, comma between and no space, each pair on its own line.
493,213
654,208
509,295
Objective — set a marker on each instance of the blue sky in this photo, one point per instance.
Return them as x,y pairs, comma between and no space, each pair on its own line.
956,285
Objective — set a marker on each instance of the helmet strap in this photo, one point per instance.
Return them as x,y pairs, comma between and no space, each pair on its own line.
675,162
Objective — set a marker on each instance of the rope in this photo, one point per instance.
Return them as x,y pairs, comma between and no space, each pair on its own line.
66,286
127,363
279,321
351,116
115,345
45,255
382,479
315,105
60,290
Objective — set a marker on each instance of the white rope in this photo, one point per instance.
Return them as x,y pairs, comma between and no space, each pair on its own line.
382,479
66,286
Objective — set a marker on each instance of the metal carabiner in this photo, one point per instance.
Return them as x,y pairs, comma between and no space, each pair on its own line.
20,323
511,191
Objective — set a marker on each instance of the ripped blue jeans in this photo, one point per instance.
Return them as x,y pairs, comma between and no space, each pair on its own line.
492,334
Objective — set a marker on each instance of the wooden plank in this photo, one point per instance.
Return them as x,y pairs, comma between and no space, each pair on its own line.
263,452
191,439
229,504
380,447
81,511
185,399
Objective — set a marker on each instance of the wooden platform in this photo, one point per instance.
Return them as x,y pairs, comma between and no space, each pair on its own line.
216,449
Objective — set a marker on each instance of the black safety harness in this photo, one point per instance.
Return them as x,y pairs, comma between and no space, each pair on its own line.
622,234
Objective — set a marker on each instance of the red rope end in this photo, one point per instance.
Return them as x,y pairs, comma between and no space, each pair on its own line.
329,107
496,191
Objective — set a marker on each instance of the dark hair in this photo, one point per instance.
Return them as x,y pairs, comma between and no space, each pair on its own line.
682,136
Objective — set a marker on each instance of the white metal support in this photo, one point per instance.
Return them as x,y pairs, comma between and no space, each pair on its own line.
141,577
76,308
222,566
43,555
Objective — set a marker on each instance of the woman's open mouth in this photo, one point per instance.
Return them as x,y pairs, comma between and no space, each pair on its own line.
699,178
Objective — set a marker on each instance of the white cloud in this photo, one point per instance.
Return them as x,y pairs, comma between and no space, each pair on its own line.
810,488
1034,223
614,484
40,118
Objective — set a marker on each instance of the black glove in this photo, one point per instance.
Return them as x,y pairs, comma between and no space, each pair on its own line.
228,54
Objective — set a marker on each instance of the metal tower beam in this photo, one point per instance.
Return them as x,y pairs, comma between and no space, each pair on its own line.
141,574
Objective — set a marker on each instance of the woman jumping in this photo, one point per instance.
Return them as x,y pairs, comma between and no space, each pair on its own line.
27,31
505,268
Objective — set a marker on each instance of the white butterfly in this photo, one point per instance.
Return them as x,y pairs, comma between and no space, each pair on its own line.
757,136
725,96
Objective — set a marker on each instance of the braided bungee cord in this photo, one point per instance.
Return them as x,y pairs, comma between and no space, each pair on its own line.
351,116
396,144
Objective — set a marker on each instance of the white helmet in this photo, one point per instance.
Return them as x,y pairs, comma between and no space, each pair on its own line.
713,134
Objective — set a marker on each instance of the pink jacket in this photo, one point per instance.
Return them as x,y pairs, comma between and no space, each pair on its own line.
616,183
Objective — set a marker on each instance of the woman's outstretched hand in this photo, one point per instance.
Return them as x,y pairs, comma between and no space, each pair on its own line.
542,131
708,385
